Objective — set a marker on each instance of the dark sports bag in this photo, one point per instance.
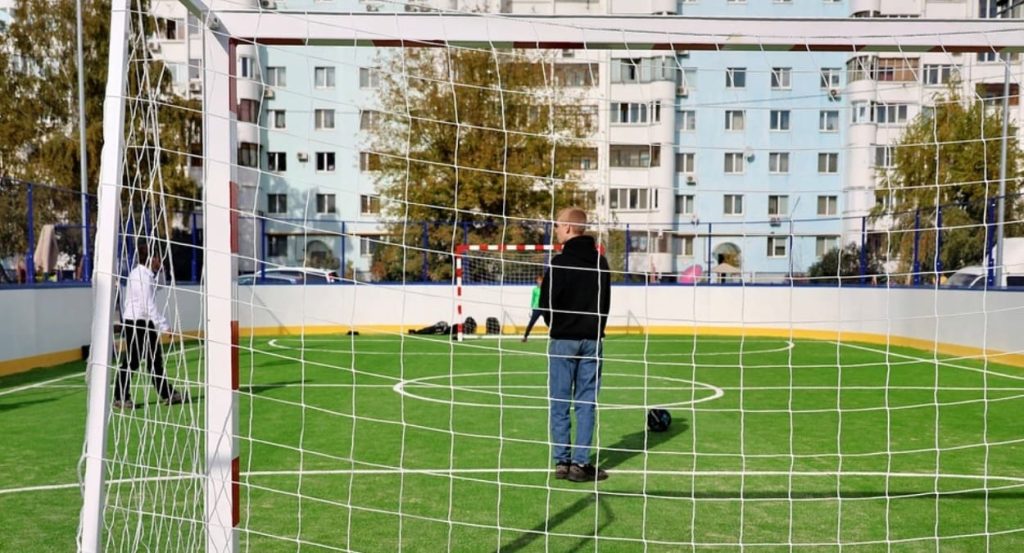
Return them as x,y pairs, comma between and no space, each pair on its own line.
493,326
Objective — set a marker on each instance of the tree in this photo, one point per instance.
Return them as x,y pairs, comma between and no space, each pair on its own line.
843,266
39,97
948,160
472,145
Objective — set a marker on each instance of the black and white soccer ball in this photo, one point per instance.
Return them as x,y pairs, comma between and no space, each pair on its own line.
658,420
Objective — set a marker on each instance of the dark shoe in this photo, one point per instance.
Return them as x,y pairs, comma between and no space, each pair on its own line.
124,404
523,340
586,473
175,399
562,470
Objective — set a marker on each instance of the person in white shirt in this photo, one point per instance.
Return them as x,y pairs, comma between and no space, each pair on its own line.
143,323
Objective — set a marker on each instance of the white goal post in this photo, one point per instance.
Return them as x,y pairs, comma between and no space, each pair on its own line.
226,29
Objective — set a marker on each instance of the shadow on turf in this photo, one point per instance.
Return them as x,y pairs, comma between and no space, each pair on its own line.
27,403
618,453
262,388
634,444
540,530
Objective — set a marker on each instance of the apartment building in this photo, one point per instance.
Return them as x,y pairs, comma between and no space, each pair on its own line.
762,160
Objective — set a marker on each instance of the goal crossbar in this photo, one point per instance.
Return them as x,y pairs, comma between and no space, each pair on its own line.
612,32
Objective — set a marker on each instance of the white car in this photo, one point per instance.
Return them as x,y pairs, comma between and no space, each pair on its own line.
302,275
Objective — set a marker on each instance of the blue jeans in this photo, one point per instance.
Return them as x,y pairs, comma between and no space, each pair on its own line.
574,378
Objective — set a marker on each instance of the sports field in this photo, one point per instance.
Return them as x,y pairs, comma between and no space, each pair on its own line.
418,444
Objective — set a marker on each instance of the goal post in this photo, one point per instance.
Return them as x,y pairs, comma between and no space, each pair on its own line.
211,501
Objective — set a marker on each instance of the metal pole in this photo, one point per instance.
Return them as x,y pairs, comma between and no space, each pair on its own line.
195,249
709,254
1001,213
263,248
863,250
629,278
916,278
83,170
30,257
938,246
343,266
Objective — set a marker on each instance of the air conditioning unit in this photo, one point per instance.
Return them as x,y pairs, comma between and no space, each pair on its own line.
153,45
775,221
268,4
303,156
268,92
682,91
195,85
690,179
834,93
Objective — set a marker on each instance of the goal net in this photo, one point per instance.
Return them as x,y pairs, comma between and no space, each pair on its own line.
812,229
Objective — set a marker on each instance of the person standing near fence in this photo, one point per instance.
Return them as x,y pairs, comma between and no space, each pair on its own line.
575,296
536,312
143,324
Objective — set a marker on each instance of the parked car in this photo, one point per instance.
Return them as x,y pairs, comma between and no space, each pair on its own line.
303,275
973,276
249,280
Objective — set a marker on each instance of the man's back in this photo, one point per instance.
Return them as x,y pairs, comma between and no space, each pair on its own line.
576,292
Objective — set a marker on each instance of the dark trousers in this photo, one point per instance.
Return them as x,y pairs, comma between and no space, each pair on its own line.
537,313
143,342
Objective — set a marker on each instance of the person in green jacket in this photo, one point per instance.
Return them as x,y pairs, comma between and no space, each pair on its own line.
535,305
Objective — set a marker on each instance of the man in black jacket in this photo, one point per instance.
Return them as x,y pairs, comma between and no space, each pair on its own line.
575,295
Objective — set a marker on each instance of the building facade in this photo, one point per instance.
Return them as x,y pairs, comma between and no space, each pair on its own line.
761,161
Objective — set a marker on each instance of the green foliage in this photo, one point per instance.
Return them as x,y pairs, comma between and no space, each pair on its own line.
950,157
474,142
39,97
843,265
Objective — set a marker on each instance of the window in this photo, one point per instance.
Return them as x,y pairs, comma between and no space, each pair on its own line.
247,68
586,161
171,29
643,70
368,245
781,77
778,206
940,74
195,68
890,114
830,77
369,161
776,246
733,204
682,245
884,156
634,156
896,70
325,203
828,163
576,74
627,199
778,163
733,162
369,119
369,77
369,204
684,204
277,76
248,111
779,120
277,203
685,162
277,161
825,244
736,77
827,205
325,162
734,120
688,78
323,77
828,121
323,119
861,112
249,154
277,118
635,113
277,245
686,120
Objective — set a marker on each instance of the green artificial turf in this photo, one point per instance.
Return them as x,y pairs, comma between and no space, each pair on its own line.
775,446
